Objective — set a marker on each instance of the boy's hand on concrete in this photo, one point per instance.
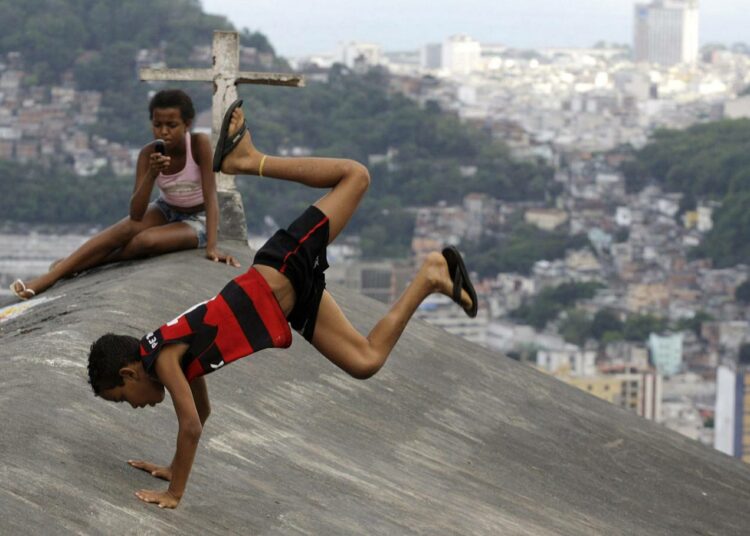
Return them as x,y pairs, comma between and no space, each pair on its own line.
157,471
163,499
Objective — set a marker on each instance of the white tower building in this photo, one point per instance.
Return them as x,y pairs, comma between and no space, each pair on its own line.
732,416
461,54
666,32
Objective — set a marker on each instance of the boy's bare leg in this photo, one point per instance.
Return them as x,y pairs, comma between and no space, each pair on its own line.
361,356
96,250
348,179
334,336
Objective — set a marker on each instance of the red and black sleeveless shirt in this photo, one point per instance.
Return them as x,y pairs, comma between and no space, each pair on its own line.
242,319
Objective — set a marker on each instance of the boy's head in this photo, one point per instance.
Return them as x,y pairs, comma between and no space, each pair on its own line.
117,374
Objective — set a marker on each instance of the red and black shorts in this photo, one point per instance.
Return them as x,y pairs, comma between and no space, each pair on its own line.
299,252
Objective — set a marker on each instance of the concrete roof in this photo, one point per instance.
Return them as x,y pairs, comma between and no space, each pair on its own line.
449,438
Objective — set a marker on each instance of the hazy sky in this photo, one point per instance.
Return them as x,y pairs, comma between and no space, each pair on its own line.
301,27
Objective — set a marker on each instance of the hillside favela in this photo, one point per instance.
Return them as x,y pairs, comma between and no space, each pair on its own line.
600,195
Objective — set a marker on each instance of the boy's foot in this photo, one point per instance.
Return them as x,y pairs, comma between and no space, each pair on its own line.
234,153
440,270
21,291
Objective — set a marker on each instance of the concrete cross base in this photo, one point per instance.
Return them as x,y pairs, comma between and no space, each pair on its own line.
232,224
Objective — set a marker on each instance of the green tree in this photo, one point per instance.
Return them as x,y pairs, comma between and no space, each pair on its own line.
68,200
518,250
609,337
694,324
705,161
550,302
742,292
576,327
605,321
728,242
638,327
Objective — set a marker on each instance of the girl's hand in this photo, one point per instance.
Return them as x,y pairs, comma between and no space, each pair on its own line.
215,255
157,163
157,471
162,498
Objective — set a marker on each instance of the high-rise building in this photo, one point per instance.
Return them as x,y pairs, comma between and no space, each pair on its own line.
732,415
461,54
666,32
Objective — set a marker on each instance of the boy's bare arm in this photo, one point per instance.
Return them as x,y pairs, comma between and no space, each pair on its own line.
189,430
200,396
202,404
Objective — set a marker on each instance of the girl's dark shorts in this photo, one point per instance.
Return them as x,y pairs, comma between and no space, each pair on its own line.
299,252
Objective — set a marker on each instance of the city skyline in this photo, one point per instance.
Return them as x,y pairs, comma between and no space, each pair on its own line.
410,24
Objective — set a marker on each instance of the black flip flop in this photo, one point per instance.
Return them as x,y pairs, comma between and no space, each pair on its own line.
225,145
460,276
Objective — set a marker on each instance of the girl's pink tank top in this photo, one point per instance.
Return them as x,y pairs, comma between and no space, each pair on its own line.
184,188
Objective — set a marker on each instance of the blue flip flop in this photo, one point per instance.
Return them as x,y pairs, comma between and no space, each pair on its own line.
460,276
225,144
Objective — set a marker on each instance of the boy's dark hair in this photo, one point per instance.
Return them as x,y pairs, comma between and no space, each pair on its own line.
173,98
108,355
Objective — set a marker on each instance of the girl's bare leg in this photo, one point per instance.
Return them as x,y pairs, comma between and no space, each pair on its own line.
97,249
361,356
158,240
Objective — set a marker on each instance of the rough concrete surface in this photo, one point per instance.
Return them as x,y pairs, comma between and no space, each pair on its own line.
449,438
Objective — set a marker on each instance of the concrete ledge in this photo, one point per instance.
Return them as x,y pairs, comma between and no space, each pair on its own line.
448,438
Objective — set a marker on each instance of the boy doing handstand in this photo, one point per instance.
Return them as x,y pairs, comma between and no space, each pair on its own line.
285,285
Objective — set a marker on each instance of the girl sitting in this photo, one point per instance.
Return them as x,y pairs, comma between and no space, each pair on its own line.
185,215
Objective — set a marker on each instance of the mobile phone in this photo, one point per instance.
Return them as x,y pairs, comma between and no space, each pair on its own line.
159,147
